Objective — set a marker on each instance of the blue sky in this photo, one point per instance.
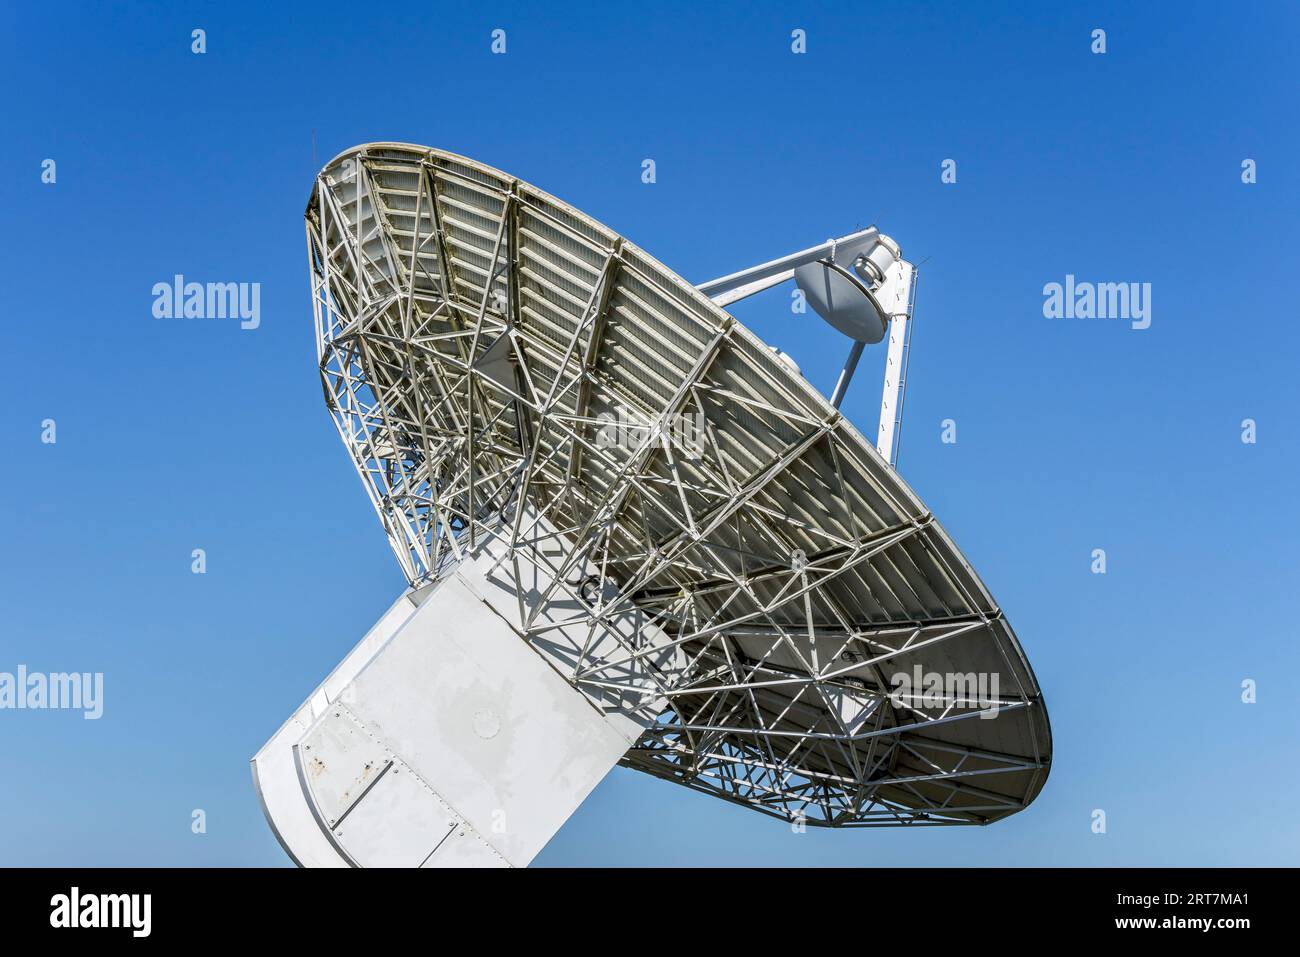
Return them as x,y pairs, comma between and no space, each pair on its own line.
1072,434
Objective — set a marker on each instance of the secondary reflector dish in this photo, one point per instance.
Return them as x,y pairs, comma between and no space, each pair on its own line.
633,535
841,287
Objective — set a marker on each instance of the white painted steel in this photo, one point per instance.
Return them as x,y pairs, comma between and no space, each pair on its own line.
455,737
275,775
736,286
896,298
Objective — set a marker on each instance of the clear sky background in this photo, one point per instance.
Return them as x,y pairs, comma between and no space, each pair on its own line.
1072,434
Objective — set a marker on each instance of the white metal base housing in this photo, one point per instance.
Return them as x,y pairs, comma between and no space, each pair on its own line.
442,739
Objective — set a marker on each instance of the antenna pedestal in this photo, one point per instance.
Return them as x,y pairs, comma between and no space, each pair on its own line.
453,745
445,739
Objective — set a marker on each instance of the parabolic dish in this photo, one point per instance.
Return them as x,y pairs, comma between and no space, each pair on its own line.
504,371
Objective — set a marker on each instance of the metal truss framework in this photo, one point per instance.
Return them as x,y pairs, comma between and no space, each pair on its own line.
477,337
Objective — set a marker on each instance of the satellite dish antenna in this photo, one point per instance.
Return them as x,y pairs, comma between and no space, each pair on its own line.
633,535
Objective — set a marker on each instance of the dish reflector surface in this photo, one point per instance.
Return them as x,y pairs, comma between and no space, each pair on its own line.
507,373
